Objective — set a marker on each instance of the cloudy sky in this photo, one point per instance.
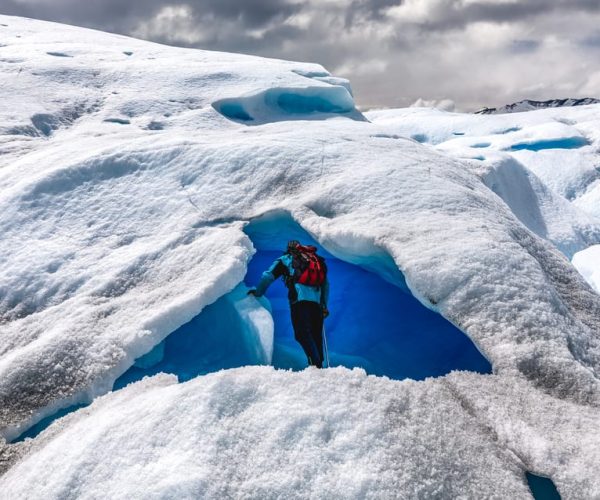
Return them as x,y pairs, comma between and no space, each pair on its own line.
395,52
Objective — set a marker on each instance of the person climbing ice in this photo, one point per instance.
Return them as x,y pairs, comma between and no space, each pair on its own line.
305,275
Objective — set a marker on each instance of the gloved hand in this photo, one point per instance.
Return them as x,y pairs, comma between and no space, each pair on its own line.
252,291
325,312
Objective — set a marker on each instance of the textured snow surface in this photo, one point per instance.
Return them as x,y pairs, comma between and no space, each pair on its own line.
127,175
257,432
545,165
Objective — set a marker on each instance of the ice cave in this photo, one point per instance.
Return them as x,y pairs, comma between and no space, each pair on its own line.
374,324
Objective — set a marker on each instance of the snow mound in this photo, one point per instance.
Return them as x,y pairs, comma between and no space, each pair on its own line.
262,433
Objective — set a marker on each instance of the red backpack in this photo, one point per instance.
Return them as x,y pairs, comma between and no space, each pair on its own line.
309,268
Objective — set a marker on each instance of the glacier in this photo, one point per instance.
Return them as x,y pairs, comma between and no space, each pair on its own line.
141,185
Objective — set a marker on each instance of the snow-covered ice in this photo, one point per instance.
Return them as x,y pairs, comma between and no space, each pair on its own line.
587,263
543,164
264,433
128,174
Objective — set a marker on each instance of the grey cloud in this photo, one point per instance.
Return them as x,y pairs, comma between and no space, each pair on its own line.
389,60
232,39
453,14
119,15
524,46
251,13
591,41
371,9
110,15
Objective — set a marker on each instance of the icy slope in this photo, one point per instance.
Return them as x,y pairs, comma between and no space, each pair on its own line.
125,186
543,164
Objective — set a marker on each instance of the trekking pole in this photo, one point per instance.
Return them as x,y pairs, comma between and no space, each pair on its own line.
326,348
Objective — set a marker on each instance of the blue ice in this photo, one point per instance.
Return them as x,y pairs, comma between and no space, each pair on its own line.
291,102
373,324
235,111
217,338
565,143
277,104
542,488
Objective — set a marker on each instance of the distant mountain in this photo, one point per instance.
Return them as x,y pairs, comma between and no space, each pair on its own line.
529,105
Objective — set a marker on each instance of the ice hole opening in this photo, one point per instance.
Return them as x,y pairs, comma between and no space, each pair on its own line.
231,332
234,331
373,324
542,488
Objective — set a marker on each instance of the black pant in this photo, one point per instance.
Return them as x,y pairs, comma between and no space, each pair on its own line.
307,320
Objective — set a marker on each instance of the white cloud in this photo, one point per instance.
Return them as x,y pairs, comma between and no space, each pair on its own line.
443,104
172,23
591,86
420,11
364,67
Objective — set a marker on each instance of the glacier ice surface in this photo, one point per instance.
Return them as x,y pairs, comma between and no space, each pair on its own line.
114,235
587,263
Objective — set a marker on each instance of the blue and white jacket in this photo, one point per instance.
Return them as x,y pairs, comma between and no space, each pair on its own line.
296,291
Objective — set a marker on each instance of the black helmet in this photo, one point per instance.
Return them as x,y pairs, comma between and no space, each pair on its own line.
292,245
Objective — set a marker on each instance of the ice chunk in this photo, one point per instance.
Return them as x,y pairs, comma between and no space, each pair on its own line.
234,331
587,263
277,104
538,207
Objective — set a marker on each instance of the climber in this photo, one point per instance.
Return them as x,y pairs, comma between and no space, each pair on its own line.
305,275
